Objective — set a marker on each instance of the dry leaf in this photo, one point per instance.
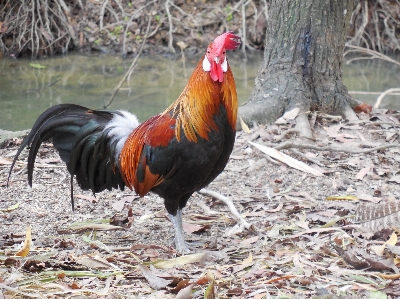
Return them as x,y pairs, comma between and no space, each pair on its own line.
154,281
286,159
342,197
185,293
363,107
94,263
180,261
244,126
379,249
236,292
203,280
13,207
96,226
194,228
248,241
87,197
367,197
27,244
74,286
181,285
351,258
248,260
394,249
332,131
395,179
209,293
290,115
120,204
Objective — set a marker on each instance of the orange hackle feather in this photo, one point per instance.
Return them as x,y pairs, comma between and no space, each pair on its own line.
200,101
193,113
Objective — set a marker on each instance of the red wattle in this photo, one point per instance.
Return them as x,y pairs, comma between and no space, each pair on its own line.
216,72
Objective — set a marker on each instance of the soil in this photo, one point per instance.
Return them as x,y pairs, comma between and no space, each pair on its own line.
318,235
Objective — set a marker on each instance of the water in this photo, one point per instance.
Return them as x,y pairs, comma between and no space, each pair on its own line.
25,91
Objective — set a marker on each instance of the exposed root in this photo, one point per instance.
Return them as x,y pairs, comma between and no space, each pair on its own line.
170,39
375,26
289,144
372,54
44,27
240,220
300,154
384,94
303,126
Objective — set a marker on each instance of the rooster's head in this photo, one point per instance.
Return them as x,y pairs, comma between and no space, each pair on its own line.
215,60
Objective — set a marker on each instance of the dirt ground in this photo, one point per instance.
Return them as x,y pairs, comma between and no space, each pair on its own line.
321,235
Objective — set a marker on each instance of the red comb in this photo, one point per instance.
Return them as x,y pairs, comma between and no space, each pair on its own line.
228,40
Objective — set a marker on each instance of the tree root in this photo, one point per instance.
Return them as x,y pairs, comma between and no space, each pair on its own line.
375,26
240,220
290,144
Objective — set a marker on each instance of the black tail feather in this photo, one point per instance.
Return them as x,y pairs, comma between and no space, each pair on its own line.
79,136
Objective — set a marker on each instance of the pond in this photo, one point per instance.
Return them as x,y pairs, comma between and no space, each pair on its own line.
26,91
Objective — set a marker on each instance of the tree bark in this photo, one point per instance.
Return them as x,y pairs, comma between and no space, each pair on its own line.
302,61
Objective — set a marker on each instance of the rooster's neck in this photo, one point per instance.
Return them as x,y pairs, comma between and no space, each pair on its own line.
200,101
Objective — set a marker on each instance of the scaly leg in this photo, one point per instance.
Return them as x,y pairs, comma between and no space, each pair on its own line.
180,244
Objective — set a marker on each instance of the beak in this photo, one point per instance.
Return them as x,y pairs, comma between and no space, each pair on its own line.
216,59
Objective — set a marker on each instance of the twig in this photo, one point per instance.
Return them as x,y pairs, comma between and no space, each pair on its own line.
129,72
102,9
112,11
244,28
16,290
288,145
170,41
64,6
283,135
371,92
378,123
364,24
307,158
242,223
384,94
372,53
135,15
33,29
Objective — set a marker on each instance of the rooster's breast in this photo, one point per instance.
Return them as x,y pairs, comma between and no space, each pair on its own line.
189,166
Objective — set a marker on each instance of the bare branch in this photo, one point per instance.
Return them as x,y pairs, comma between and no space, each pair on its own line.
242,223
133,65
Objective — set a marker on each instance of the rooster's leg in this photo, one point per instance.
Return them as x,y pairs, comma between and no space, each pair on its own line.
180,244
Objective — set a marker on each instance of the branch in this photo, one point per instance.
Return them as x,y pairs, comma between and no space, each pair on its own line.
103,8
135,15
170,40
384,94
240,220
129,72
288,145
372,53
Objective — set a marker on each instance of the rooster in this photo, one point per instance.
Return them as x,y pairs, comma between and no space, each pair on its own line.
172,154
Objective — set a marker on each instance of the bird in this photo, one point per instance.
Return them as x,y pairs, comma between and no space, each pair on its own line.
172,154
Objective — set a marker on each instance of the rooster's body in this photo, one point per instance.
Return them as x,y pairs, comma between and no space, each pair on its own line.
172,154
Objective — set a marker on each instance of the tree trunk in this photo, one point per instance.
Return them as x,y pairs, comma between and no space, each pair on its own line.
302,61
